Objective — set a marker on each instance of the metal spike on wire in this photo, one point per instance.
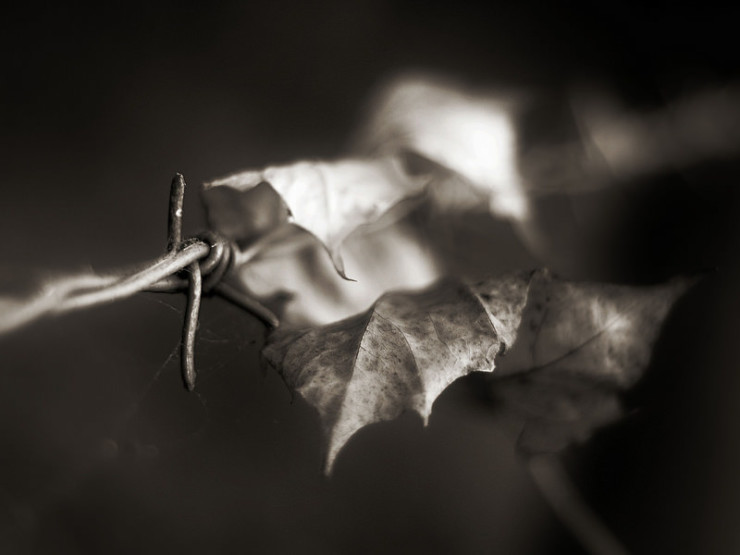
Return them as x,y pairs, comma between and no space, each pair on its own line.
195,266
195,281
212,268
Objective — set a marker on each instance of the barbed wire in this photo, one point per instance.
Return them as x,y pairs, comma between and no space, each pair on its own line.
194,266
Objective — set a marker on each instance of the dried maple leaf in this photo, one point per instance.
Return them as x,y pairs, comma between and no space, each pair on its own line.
399,355
404,351
328,199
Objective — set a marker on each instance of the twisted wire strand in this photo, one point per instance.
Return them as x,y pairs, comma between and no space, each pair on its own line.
149,277
193,266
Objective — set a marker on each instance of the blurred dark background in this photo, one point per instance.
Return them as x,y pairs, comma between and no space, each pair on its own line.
102,450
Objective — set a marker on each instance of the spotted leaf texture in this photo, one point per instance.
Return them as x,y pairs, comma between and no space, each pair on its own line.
400,354
405,350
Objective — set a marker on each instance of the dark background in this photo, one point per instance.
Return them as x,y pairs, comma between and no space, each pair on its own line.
103,451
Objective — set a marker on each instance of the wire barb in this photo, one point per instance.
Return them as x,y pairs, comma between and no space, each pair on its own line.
174,220
193,266
204,275
191,326
195,280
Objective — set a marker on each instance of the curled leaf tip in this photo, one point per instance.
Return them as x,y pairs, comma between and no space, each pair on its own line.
329,199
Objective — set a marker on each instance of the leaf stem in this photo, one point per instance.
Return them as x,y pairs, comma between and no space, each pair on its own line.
247,303
570,507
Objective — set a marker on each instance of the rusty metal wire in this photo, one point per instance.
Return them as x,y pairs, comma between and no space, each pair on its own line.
203,275
194,266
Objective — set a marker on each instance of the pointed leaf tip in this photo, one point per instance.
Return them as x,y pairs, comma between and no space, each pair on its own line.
399,355
579,346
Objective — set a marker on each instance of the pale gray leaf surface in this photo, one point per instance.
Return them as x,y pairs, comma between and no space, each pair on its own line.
328,199
583,341
578,347
399,355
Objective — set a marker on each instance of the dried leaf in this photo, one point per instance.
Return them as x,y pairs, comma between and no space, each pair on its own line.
328,199
297,280
399,355
468,132
403,352
578,347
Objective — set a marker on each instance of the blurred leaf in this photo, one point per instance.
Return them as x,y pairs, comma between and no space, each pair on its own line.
296,279
404,351
449,126
578,347
694,128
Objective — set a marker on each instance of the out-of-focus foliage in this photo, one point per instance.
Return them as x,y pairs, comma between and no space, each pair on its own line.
587,341
471,133
455,149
